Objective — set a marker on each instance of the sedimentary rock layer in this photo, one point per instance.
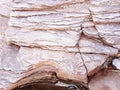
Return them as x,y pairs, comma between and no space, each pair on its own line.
74,39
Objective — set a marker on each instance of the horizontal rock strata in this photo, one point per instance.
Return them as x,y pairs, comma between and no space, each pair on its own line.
68,40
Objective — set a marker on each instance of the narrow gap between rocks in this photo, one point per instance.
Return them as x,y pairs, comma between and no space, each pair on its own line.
48,86
43,86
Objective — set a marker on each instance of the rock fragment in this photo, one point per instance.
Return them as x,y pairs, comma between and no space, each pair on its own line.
93,62
116,63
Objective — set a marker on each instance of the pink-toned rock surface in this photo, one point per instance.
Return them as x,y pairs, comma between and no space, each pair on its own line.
68,65
68,39
106,81
116,63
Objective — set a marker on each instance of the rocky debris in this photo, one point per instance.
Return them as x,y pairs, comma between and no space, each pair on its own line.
68,40
109,80
116,63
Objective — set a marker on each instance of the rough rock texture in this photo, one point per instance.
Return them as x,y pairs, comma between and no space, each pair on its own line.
106,81
116,63
59,40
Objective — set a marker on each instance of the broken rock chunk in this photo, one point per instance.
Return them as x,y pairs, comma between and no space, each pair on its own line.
116,63
93,62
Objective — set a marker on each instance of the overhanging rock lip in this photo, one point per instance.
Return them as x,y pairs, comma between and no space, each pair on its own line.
48,76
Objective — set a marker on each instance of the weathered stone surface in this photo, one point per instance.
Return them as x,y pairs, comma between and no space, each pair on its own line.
68,40
90,32
87,45
8,63
64,17
5,6
9,66
106,81
93,62
106,18
116,63
7,77
42,38
68,65
38,4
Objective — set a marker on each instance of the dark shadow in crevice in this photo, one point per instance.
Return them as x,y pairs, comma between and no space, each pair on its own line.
60,85
105,67
47,86
41,86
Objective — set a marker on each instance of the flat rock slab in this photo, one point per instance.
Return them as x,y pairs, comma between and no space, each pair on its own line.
24,37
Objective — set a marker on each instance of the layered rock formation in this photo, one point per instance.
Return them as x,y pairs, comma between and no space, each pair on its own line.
59,40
